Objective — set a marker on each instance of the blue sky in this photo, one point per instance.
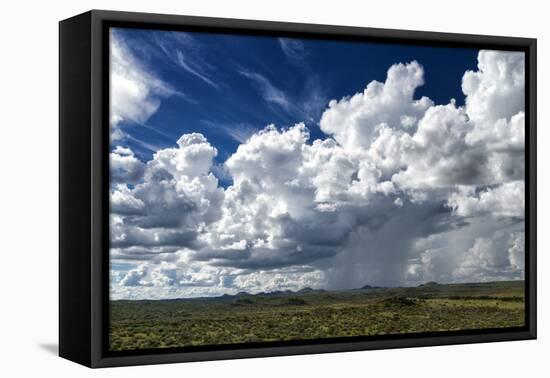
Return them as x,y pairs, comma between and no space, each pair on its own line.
370,141
231,85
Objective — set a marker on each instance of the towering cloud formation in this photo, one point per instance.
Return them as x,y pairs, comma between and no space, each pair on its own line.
176,200
400,191
353,121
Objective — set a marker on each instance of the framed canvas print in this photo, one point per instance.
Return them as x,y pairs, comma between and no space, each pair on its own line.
233,188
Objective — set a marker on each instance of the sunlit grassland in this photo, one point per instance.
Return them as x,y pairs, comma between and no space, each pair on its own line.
315,314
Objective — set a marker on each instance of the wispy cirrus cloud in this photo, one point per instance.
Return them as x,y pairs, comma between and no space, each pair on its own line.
142,144
294,50
187,53
313,99
269,92
194,69
305,106
239,132
157,131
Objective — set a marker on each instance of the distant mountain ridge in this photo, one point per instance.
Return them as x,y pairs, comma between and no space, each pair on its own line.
304,290
273,293
426,289
368,287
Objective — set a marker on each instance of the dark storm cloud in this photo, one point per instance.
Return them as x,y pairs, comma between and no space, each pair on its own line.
145,238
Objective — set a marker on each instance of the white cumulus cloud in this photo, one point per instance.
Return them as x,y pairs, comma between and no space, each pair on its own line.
399,190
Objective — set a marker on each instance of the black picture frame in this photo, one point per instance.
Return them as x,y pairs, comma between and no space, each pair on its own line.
84,179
